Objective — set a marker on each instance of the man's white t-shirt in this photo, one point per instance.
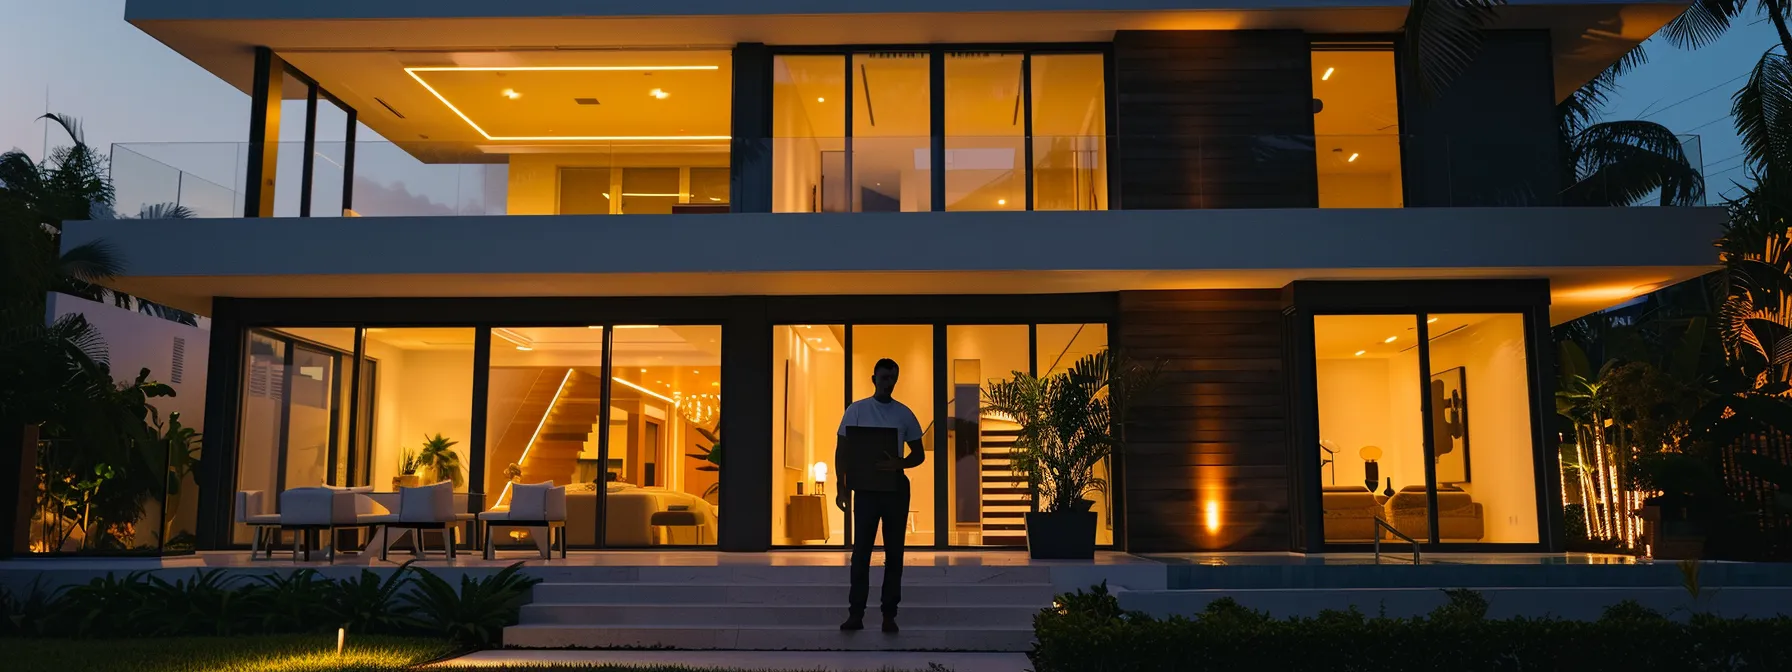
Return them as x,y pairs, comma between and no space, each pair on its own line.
869,412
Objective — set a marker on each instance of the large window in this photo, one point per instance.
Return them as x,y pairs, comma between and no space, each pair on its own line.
1469,472
1357,125
819,369
855,132
542,419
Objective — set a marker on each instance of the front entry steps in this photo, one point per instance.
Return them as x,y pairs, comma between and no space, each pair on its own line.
794,608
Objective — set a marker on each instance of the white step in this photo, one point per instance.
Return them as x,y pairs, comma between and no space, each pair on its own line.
770,638
913,575
1017,594
751,615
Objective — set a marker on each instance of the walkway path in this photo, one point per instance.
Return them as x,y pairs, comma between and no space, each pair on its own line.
817,661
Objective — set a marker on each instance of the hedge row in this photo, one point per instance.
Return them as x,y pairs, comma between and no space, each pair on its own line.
1089,632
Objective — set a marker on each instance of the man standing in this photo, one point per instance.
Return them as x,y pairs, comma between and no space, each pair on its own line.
884,503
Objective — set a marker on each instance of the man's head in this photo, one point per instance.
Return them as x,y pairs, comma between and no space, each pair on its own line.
883,378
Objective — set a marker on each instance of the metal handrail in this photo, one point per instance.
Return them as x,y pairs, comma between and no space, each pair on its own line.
1383,525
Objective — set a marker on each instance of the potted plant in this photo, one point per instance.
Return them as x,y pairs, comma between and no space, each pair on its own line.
439,462
1069,423
407,471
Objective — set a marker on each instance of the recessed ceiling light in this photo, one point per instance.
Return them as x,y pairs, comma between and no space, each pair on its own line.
1352,158
1391,339
524,348
1001,201
821,100
715,384
1431,321
1360,353
1327,75
512,94
659,93
713,198
587,101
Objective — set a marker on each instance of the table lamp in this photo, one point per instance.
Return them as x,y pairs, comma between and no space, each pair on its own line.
820,472
1371,470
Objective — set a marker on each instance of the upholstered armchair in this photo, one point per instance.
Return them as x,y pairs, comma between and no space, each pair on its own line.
426,508
536,506
252,510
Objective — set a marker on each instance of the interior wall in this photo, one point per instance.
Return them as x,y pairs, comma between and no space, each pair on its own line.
1374,190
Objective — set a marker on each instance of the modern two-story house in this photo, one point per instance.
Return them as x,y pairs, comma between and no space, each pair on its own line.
652,249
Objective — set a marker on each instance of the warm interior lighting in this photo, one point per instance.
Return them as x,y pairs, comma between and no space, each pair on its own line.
820,471
653,195
644,390
636,326
606,195
1431,321
512,94
1360,353
516,339
1352,158
1212,516
1001,201
657,93
821,100
525,348
1327,75
1391,339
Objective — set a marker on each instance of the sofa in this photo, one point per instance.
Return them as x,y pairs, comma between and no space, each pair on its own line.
1459,516
628,516
1350,513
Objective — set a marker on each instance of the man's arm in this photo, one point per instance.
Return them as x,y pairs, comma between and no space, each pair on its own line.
842,491
917,454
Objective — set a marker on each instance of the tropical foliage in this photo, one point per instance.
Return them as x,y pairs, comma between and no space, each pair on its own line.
1070,423
214,603
710,456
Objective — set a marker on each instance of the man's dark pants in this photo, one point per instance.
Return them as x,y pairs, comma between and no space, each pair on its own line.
870,508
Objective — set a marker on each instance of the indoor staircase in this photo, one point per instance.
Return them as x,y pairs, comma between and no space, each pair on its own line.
1006,499
780,607
571,419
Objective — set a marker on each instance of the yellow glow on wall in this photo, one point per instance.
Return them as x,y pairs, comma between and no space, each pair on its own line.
1212,509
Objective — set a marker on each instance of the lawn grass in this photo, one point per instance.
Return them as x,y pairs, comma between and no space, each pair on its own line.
264,653
270,653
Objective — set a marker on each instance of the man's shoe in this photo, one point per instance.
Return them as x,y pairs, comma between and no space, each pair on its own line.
853,624
890,624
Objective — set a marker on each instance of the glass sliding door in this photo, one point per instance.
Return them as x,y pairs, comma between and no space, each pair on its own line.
661,468
808,398
1481,429
891,133
1060,347
542,410
294,430
1069,103
910,346
1371,428
809,134
988,501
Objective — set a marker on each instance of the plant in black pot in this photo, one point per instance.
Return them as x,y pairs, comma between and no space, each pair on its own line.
1070,423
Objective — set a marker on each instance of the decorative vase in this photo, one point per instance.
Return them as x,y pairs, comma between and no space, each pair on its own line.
407,481
1390,490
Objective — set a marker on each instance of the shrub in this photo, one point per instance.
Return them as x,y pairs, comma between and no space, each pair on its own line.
214,603
478,613
1089,632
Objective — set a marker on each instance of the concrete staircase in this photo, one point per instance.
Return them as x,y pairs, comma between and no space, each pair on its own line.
944,608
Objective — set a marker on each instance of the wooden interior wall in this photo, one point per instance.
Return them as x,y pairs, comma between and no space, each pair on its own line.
1215,119
1215,431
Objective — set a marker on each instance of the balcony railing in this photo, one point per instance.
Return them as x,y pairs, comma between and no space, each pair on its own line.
863,174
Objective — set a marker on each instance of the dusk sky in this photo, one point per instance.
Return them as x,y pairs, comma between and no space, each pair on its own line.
80,58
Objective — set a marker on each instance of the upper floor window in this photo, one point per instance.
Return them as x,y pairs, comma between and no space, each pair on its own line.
1021,131
1357,125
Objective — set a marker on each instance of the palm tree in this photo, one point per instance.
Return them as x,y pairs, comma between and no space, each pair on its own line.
1615,163
36,198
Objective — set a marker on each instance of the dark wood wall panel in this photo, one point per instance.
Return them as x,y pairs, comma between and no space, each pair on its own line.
1216,428
1215,119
